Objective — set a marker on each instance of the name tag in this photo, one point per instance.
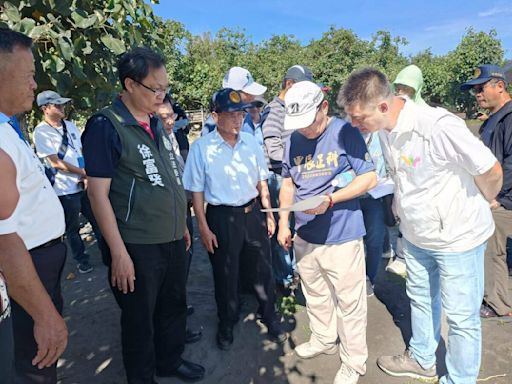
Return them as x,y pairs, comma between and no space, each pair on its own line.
81,162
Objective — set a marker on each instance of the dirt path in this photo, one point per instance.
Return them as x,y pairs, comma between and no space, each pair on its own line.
94,351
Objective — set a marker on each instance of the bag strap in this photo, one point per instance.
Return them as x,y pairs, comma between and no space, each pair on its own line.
65,142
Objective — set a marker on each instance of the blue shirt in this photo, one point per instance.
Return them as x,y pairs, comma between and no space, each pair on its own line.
313,165
3,118
227,175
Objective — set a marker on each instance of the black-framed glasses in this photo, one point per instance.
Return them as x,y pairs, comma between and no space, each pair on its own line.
476,89
157,92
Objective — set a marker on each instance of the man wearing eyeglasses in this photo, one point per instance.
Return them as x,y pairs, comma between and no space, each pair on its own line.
139,202
58,141
490,90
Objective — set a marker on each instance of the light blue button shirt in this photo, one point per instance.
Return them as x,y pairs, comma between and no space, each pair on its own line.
256,131
227,175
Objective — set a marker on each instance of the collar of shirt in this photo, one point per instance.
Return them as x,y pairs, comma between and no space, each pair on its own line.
4,118
218,140
405,121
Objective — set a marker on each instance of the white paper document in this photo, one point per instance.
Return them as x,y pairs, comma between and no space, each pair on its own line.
300,206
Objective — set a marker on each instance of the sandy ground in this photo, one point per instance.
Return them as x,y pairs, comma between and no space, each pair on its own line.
94,351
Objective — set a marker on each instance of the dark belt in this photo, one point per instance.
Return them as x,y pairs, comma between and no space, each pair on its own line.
246,208
50,243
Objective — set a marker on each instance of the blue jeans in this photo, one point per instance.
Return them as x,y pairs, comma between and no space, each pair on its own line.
455,281
72,204
373,216
283,262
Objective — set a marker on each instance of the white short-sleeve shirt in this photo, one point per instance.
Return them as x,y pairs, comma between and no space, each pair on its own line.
433,158
47,140
38,216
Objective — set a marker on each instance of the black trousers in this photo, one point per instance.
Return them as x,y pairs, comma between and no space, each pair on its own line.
153,317
242,239
6,345
49,263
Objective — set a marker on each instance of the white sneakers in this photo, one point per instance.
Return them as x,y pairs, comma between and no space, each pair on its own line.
309,349
346,375
397,267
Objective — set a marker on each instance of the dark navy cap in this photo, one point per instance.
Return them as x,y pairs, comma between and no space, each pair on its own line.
227,100
483,74
299,73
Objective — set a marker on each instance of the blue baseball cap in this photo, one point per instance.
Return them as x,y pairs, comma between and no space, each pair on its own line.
228,100
51,97
483,74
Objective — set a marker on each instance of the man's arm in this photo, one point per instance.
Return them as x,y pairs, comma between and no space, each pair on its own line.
62,165
123,272
359,186
262,187
490,182
25,287
284,236
207,236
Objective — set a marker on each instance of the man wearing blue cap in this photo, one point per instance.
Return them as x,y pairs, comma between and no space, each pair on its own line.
490,90
227,169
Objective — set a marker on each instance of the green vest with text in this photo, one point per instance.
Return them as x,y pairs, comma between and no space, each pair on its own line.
146,191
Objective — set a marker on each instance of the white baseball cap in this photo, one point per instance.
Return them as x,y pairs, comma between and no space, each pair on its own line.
301,102
240,79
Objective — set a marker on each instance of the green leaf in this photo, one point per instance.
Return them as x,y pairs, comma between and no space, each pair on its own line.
12,12
66,48
27,25
115,45
57,64
82,19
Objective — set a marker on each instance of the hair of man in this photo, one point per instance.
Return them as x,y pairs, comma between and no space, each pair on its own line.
137,63
365,87
9,40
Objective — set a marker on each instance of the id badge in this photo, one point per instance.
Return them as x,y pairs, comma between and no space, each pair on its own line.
81,162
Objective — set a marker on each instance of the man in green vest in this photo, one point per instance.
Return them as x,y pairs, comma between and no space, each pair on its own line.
139,202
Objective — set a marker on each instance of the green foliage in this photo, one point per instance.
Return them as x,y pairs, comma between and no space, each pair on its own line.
77,42
475,48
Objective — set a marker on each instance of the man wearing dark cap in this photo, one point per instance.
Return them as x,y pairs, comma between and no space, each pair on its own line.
139,202
489,87
227,169
274,136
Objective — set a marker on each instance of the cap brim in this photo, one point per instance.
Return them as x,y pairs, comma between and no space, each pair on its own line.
469,84
61,100
238,108
300,121
255,89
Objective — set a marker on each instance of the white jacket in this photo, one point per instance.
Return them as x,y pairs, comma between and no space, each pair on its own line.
433,159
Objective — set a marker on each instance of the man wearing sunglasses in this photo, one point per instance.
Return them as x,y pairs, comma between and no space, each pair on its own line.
58,141
490,90
139,202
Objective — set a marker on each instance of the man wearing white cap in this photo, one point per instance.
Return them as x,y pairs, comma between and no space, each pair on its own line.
328,242
240,79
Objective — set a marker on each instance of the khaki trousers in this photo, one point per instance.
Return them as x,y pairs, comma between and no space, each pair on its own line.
334,282
496,293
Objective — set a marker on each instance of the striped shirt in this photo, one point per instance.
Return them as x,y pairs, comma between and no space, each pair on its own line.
274,134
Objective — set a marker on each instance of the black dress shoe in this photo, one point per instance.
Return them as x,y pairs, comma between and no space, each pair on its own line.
192,336
190,310
225,337
276,333
187,371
